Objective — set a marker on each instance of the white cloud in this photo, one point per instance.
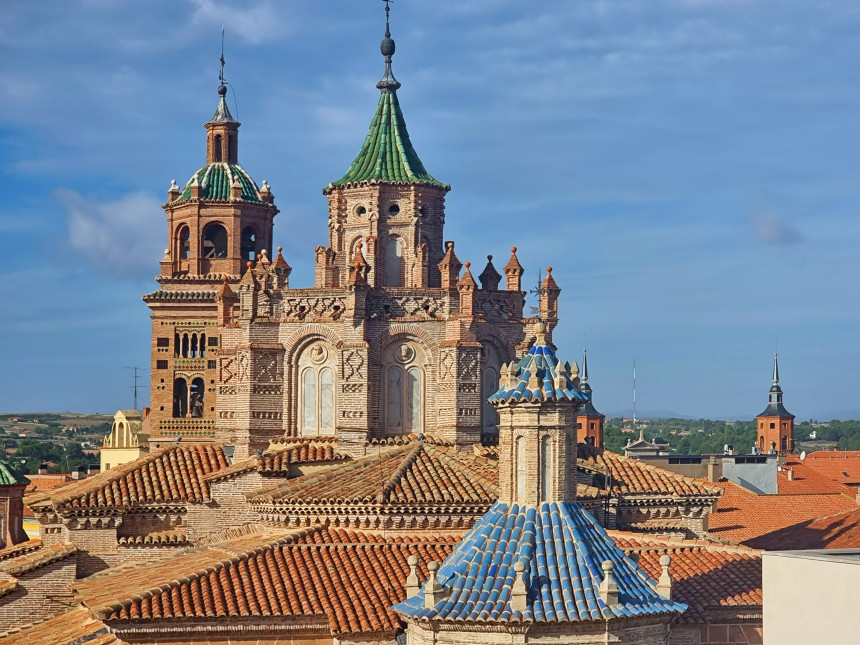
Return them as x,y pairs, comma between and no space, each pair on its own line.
254,24
772,228
123,237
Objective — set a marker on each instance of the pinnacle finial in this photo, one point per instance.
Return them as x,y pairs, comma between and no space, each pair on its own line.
775,368
388,82
222,112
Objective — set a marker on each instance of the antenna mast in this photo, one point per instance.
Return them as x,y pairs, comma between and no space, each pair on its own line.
634,400
134,377
221,73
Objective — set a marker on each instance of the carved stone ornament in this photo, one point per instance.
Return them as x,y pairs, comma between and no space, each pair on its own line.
404,353
319,354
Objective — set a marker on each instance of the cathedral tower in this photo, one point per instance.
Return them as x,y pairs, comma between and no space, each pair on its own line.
218,222
775,424
590,421
388,201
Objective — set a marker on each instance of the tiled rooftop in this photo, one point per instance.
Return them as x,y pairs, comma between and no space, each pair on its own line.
562,547
172,474
75,626
20,549
156,538
839,466
632,476
215,180
348,578
839,531
705,576
35,559
417,472
808,479
747,518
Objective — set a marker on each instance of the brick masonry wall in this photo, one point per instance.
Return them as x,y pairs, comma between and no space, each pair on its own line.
41,593
228,509
98,549
716,635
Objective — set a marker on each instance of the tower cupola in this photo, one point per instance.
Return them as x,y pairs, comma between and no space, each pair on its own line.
775,425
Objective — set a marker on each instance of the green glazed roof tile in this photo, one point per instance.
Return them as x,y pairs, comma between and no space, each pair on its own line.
9,476
215,180
387,153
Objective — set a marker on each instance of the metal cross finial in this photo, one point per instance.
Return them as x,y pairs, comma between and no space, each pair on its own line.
221,73
538,291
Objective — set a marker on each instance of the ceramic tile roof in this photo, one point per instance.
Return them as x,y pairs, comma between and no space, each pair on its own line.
838,531
73,627
179,296
538,376
807,479
350,579
172,474
747,518
156,538
414,473
8,584
562,547
705,577
215,180
20,549
387,154
9,476
35,559
631,476
840,466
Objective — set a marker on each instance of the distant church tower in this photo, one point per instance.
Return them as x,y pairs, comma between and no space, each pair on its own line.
775,424
589,421
216,224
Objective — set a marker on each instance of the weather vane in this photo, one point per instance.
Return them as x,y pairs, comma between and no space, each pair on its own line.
538,291
221,73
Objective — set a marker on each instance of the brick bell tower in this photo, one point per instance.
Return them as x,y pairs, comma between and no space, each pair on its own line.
775,424
217,224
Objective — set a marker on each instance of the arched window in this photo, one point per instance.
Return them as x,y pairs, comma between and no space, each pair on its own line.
231,151
404,389
546,468
491,362
184,238
521,469
249,244
184,345
784,444
177,345
316,390
198,396
180,398
214,241
218,151
193,345
394,262
202,345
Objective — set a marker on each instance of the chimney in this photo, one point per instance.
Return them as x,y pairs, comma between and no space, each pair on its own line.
790,474
664,584
413,585
79,473
857,499
94,469
715,469
43,469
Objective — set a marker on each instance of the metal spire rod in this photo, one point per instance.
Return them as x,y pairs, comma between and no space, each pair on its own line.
221,73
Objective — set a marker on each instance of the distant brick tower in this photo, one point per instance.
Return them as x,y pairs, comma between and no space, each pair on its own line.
775,424
590,421
12,486
216,224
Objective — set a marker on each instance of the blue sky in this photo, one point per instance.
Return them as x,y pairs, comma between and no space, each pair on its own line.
688,167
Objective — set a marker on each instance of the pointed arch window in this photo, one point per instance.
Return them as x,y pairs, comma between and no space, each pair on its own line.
180,398
214,241
219,154
184,238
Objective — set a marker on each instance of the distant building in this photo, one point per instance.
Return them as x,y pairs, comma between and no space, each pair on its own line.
126,440
12,487
775,423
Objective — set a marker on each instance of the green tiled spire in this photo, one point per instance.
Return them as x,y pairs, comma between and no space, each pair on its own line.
11,477
387,154
215,180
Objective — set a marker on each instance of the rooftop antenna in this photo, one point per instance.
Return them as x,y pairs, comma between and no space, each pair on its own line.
135,369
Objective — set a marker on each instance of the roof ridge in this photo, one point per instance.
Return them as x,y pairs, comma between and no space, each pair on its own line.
397,475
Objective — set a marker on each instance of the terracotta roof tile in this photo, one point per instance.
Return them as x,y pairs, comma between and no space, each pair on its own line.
839,466
38,558
156,538
20,549
350,578
75,626
417,472
704,577
839,531
632,476
808,479
172,474
744,517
